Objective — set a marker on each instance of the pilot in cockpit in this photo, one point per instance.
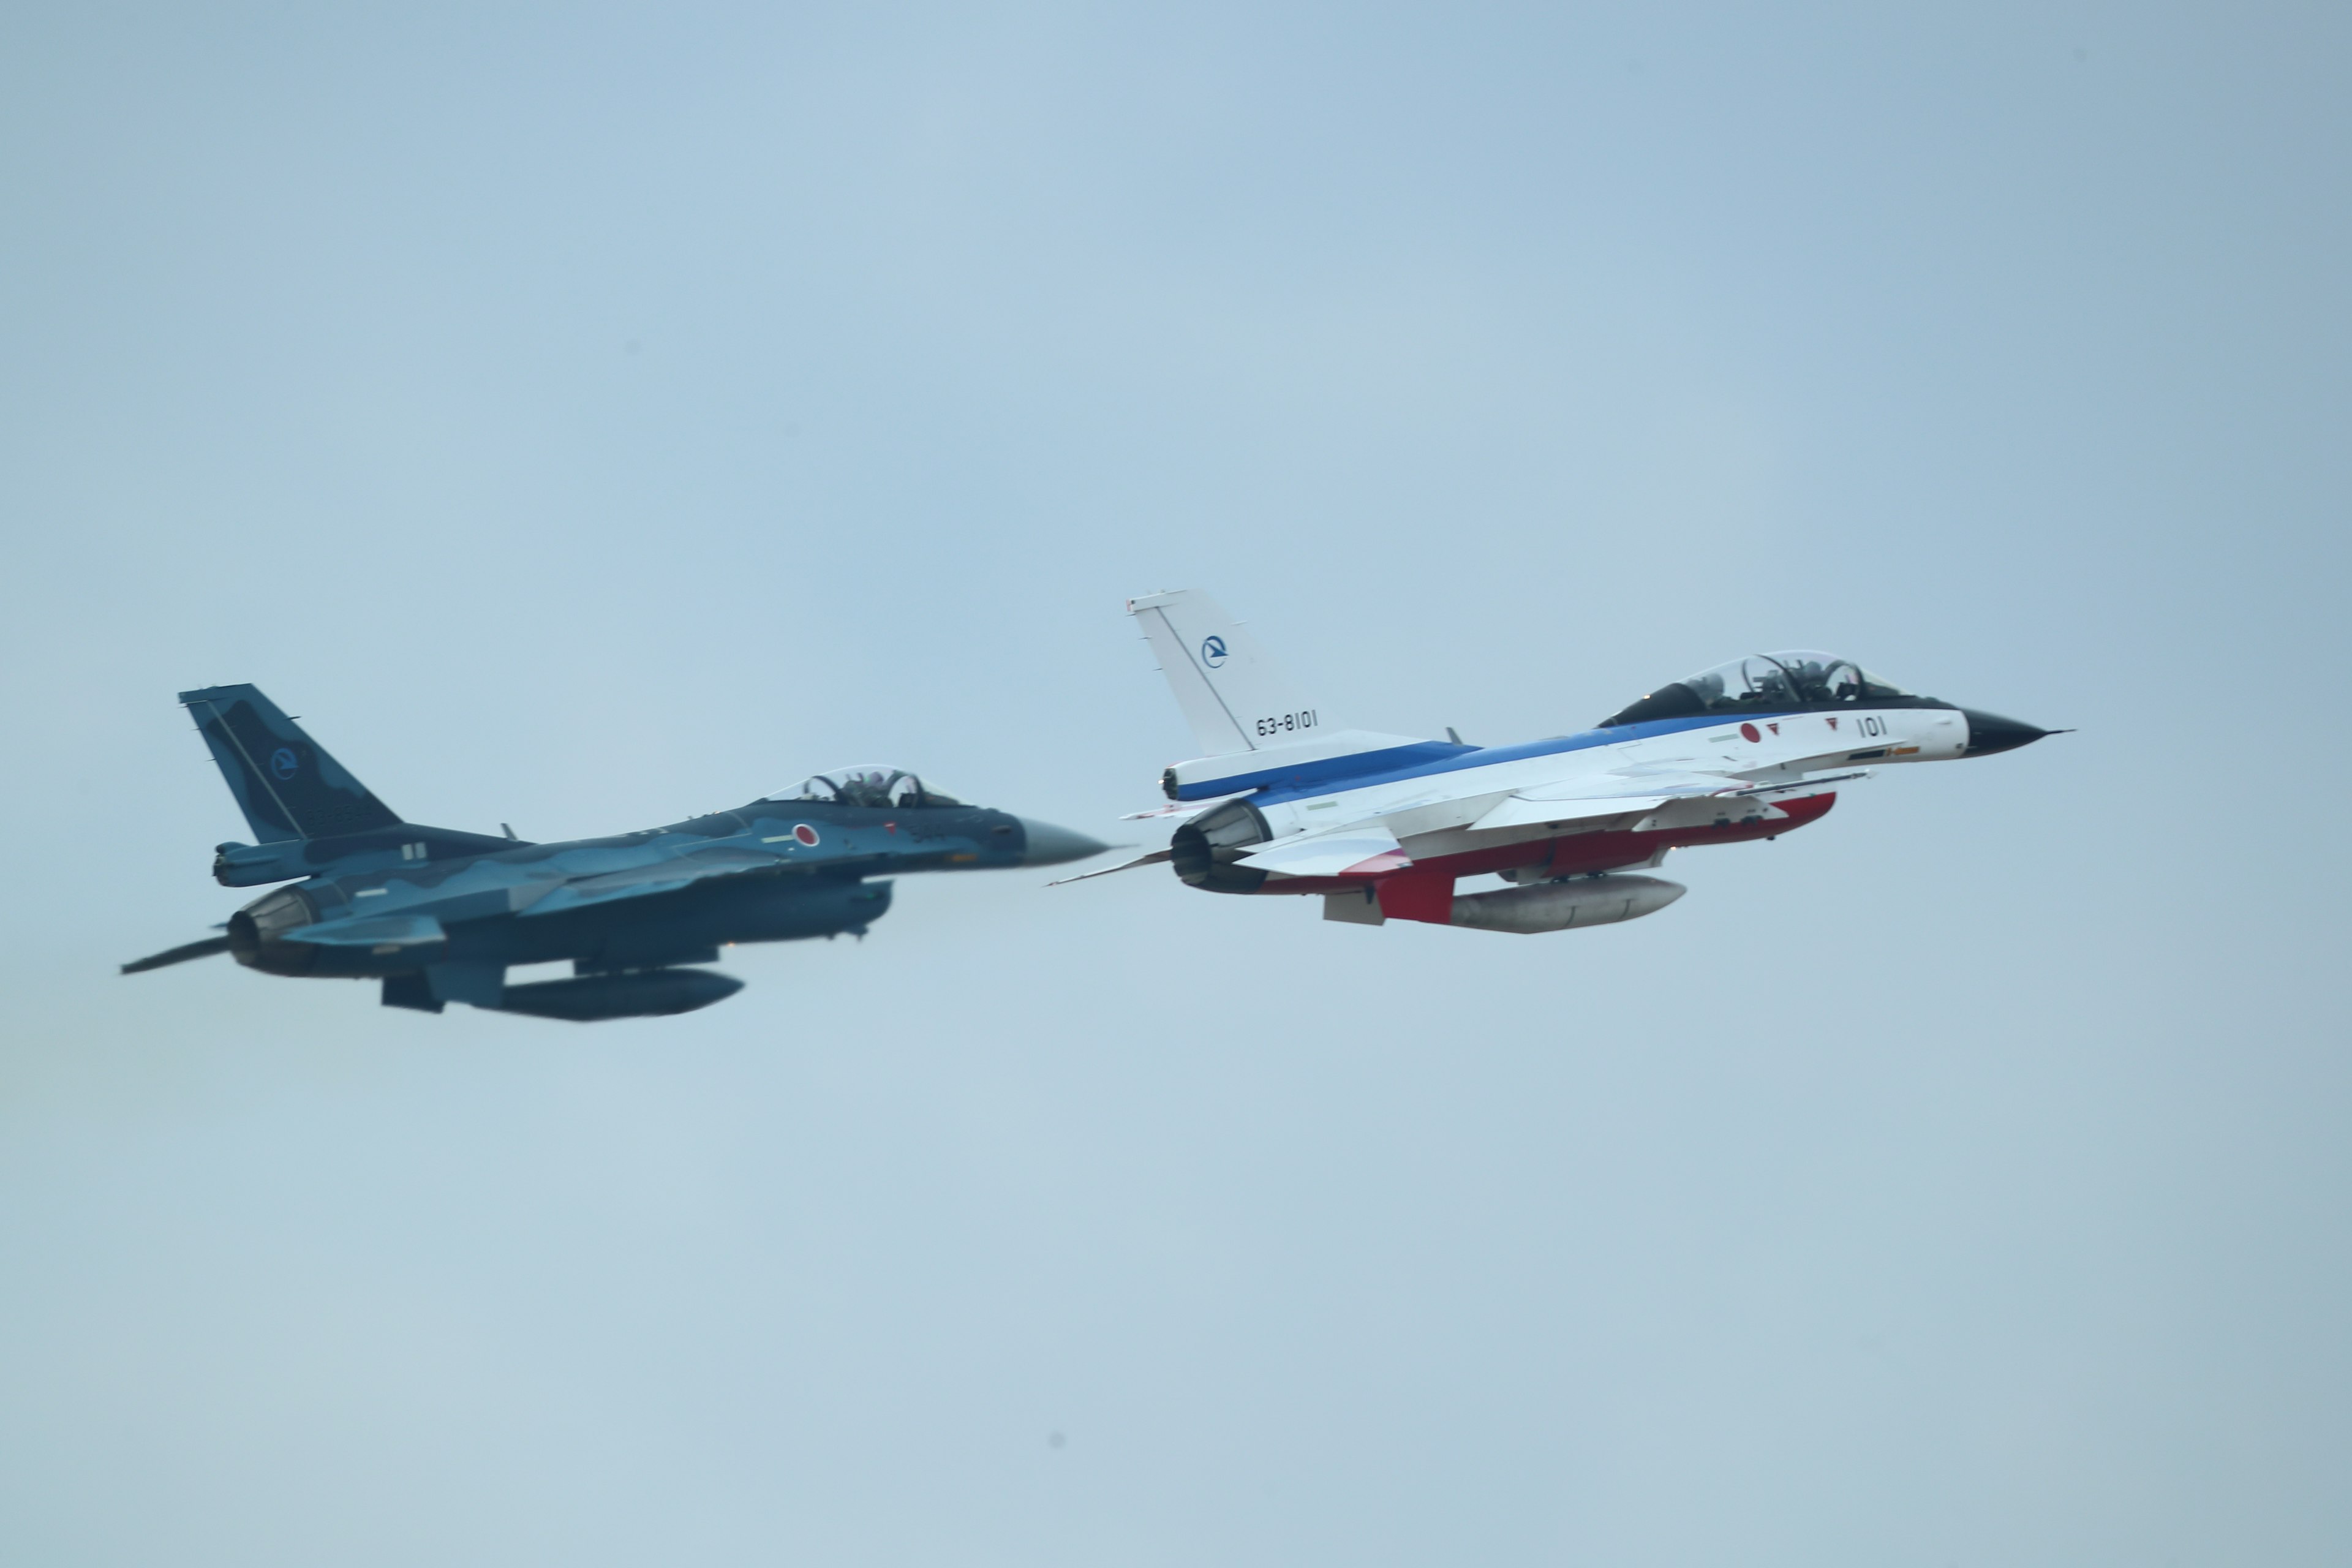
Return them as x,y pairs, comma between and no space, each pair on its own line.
1795,677
879,786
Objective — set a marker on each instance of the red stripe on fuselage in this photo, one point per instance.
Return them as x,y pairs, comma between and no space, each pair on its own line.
1577,854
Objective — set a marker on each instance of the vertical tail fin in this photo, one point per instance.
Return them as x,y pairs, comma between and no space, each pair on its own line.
1235,699
1255,725
286,783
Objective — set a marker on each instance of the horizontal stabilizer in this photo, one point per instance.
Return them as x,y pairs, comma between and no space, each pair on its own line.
1157,857
1180,810
204,949
1366,851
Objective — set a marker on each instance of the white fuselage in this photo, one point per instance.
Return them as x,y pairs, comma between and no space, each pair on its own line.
1430,811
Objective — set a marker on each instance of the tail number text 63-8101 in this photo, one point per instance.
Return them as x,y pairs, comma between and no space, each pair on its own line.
1286,724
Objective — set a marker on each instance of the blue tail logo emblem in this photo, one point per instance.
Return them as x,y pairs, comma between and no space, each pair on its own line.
284,763
1213,652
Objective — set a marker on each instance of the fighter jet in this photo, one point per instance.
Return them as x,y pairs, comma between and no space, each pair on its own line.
1284,800
439,915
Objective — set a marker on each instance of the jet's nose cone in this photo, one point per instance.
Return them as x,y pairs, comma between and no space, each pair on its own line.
1051,845
1989,732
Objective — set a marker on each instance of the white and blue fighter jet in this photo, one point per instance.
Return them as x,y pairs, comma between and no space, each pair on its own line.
1284,800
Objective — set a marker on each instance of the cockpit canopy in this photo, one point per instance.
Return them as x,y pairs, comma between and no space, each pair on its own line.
878,785
1790,679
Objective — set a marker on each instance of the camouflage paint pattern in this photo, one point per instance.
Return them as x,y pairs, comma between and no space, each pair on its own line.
438,915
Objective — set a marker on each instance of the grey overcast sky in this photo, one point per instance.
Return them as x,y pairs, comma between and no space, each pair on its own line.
583,415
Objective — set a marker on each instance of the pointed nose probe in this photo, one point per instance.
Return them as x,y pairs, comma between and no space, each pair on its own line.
1052,846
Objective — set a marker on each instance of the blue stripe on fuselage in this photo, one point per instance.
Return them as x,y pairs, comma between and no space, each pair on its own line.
1320,777
1426,759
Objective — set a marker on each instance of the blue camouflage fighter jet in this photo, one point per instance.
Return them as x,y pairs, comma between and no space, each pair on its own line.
438,916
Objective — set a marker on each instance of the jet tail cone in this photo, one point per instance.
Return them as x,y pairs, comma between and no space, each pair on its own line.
1052,846
1989,732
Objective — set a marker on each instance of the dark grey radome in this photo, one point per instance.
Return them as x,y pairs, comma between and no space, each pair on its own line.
1052,846
1990,733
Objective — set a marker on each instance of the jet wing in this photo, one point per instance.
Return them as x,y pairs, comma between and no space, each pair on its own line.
1605,795
640,881
1612,794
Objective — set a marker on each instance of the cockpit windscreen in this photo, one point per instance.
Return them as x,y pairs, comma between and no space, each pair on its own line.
1791,677
869,785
